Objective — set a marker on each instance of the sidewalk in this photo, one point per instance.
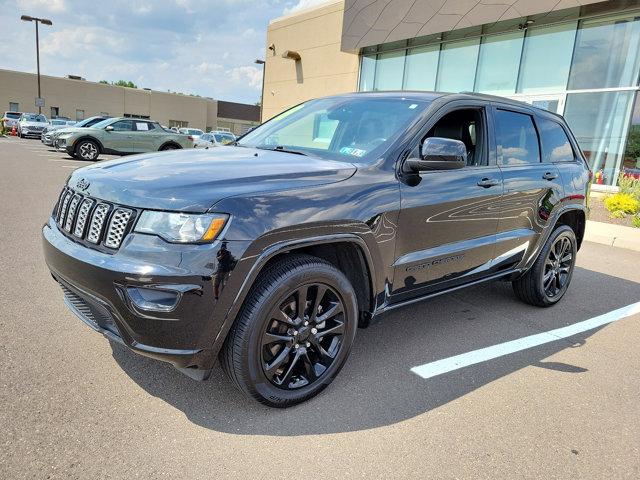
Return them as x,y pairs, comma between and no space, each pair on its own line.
613,235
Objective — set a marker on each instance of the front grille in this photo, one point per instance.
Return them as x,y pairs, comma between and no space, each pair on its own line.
90,311
99,223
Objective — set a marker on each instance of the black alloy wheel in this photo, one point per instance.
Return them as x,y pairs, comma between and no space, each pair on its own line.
557,267
293,333
548,279
303,336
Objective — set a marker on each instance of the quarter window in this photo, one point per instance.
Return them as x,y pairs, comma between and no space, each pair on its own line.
555,143
517,139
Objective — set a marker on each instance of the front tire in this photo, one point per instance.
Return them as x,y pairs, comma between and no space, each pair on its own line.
294,332
548,279
87,150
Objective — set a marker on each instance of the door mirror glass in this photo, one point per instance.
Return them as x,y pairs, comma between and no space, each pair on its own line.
109,128
439,153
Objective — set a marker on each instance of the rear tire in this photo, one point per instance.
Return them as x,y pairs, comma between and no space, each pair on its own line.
87,150
293,333
548,279
168,147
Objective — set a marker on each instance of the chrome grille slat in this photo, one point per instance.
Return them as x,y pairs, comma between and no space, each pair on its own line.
59,205
97,222
63,210
117,227
83,215
73,206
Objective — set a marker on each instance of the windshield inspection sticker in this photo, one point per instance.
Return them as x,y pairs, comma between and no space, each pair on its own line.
412,106
356,152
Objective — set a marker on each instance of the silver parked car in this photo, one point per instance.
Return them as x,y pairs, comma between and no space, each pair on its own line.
194,133
31,124
54,125
214,139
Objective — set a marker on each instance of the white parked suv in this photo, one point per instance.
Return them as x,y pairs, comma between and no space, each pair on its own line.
10,120
31,124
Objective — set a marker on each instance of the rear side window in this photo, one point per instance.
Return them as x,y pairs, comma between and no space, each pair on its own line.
556,146
517,139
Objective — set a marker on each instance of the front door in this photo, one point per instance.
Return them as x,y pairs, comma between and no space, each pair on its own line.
145,137
120,139
447,223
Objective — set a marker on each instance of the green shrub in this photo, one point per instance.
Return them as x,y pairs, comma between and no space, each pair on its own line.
629,185
635,221
624,202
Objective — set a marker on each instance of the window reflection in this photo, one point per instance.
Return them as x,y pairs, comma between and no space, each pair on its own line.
599,122
631,162
498,63
606,54
458,66
546,58
421,68
367,72
389,70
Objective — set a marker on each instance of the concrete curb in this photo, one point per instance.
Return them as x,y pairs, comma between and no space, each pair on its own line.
613,235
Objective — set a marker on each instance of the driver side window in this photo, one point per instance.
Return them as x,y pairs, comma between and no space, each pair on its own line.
466,125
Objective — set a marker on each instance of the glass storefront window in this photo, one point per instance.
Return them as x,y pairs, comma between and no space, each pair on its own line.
421,68
389,71
457,69
599,121
546,58
498,63
367,72
606,54
631,161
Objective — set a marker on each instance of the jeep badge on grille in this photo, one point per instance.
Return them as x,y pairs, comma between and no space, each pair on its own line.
82,184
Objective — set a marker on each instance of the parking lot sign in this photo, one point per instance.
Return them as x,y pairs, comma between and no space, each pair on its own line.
39,102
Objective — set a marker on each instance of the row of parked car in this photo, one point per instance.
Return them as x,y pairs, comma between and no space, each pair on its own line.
93,136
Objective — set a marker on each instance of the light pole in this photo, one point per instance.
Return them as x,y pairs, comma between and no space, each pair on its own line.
264,70
43,21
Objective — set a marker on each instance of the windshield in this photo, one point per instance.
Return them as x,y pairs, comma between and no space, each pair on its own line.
101,124
86,122
351,128
194,131
58,122
32,117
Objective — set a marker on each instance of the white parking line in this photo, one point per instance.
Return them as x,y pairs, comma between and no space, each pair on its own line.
433,369
71,166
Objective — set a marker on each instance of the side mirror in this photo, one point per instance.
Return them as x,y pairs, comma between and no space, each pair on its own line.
108,128
439,154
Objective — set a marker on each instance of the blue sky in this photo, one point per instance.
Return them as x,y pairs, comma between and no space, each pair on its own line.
191,46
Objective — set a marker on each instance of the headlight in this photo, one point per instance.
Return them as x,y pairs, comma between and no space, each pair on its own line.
182,227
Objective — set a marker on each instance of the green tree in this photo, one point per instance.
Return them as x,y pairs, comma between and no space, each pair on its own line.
124,83
104,81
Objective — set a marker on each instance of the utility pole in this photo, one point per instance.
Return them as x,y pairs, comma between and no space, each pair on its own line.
44,21
264,70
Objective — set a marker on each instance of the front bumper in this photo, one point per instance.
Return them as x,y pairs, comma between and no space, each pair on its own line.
97,288
47,139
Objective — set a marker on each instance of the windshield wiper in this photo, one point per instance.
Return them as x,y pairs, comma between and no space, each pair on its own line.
281,148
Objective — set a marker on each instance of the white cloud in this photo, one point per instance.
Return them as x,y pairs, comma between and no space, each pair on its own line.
31,7
206,67
302,4
250,74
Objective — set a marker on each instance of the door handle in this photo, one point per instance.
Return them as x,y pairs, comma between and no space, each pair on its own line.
488,182
129,136
550,176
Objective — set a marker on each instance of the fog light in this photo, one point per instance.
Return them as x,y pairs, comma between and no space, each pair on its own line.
154,300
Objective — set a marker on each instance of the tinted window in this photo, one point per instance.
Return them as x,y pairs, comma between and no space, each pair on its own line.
555,143
123,126
517,139
12,115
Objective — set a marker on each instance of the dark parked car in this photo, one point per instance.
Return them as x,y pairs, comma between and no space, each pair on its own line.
268,254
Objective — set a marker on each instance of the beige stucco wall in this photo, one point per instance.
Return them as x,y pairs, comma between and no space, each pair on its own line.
95,98
323,69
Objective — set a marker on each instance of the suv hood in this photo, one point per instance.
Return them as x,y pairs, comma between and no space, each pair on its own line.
65,130
25,123
194,180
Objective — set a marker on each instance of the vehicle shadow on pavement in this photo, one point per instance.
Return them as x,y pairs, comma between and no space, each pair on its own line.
376,387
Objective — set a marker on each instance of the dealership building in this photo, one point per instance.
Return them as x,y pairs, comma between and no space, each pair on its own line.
77,98
578,58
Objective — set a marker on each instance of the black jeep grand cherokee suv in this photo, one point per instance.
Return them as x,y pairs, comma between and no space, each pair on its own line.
271,252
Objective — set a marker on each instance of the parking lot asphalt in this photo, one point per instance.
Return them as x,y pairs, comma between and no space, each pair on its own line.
72,405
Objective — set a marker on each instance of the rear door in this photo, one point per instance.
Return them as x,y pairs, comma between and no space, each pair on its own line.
146,137
447,223
532,189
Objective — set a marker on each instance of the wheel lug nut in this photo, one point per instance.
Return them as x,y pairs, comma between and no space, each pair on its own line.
306,323
295,332
296,346
314,330
308,344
